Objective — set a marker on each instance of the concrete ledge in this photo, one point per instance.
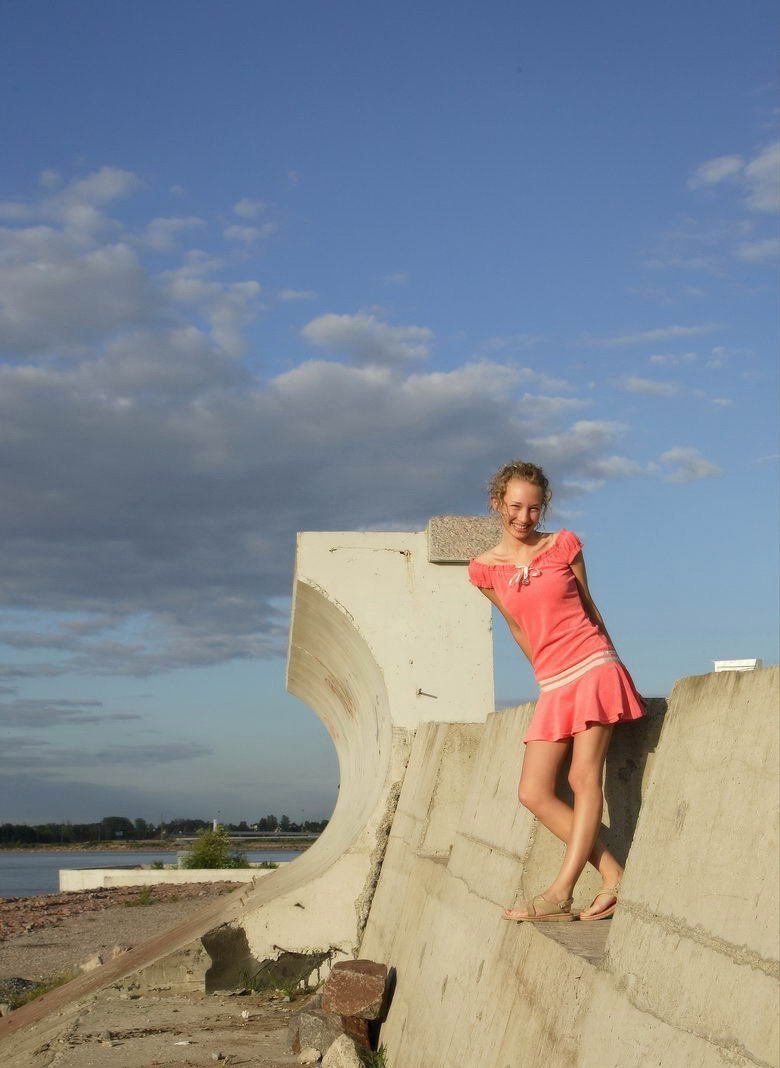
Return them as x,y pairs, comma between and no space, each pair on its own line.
73,879
455,539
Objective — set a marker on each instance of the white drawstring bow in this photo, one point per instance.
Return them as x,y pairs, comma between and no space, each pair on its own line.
522,575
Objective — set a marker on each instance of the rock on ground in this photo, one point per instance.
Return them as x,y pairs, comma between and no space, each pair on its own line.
342,1054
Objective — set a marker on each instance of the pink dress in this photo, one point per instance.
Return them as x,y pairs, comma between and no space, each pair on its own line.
580,675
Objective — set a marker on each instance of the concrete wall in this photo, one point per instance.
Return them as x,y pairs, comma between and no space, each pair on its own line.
73,879
686,973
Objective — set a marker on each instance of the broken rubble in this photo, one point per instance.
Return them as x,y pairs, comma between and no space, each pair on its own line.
310,1055
312,1026
356,988
342,1054
91,963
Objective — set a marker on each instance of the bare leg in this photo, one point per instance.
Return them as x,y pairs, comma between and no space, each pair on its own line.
577,827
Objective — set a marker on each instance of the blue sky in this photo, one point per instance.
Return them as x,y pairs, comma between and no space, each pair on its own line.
269,268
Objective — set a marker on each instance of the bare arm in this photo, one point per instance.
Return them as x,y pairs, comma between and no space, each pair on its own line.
517,631
578,567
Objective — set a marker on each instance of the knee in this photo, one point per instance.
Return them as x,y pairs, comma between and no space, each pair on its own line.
531,797
584,781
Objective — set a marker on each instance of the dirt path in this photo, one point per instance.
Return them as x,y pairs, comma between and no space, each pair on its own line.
50,934
155,1030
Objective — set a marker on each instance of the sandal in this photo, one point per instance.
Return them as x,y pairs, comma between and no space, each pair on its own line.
608,911
545,911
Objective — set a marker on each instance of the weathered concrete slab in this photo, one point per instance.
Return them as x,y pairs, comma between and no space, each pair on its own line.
685,972
696,940
74,879
455,539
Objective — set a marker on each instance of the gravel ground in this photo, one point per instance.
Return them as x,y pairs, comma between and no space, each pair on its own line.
134,1031
115,1031
53,933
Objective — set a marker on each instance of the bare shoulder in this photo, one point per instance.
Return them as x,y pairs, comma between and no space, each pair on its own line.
488,557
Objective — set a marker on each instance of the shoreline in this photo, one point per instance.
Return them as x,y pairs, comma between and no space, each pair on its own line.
147,847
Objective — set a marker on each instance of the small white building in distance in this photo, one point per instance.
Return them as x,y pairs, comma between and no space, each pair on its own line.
737,665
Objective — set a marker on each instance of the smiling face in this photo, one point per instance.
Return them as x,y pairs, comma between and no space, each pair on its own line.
520,509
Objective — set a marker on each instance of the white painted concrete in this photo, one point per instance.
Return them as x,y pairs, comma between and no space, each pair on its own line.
381,641
72,879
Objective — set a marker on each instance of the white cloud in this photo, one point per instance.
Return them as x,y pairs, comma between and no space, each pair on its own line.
618,467
758,177
716,170
687,465
296,294
399,278
649,386
538,405
229,307
15,211
249,235
672,359
364,339
764,251
586,440
247,208
542,380
162,234
653,387
720,355
663,333
667,294
101,187
54,294
49,179
77,208
762,177
510,342
709,264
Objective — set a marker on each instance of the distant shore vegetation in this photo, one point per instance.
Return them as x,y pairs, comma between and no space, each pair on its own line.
213,849
119,830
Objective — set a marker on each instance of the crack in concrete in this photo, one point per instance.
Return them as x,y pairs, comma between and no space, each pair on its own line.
739,954
376,860
370,549
730,1047
496,848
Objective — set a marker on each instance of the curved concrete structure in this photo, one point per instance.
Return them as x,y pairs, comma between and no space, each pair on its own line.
382,639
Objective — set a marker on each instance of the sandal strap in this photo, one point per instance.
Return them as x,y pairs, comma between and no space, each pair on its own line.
533,911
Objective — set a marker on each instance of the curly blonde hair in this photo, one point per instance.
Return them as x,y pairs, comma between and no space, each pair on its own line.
526,471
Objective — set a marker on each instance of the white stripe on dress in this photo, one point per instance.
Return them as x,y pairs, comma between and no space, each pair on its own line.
552,682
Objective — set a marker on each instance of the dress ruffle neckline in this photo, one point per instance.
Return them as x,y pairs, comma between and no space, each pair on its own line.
542,553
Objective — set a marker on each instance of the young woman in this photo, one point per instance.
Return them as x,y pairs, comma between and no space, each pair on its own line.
538,583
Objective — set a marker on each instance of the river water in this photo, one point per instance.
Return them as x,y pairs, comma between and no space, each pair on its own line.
25,874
